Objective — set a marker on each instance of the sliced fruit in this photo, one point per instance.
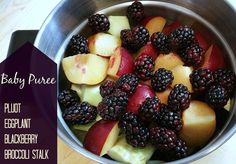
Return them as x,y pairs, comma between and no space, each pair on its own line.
141,93
214,58
181,76
118,23
171,27
79,134
199,123
156,24
91,94
86,127
123,152
101,137
149,50
77,88
146,20
103,44
85,68
121,62
163,96
168,61
227,106
201,40
147,82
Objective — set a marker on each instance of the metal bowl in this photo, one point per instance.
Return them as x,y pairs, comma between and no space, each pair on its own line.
215,19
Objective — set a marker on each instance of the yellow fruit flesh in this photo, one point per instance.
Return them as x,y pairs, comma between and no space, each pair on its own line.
85,68
199,123
123,152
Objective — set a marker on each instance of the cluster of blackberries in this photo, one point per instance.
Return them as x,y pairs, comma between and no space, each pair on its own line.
131,39
154,123
139,127
216,85
157,125
76,112
115,96
138,36
144,70
79,44
182,40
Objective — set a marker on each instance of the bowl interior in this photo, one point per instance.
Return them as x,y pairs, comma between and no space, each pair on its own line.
171,12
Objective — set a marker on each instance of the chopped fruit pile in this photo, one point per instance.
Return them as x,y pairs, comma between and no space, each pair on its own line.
148,91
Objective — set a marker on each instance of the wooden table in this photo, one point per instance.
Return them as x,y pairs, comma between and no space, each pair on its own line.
30,14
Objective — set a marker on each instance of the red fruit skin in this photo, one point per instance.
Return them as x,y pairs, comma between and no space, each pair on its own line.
97,136
146,20
127,63
149,50
105,57
213,58
171,27
141,93
201,41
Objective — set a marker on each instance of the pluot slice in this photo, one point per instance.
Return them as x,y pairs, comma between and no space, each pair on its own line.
85,68
101,137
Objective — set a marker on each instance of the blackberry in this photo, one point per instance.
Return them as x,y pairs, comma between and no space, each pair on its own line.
127,121
99,23
226,78
127,83
78,45
161,79
136,133
181,37
217,96
156,116
141,36
80,113
139,136
107,87
144,66
113,106
163,138
169,119
135,11
161,42
179,151
192,56
201,79
67,98
148,108
127,39
179,98
135,38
